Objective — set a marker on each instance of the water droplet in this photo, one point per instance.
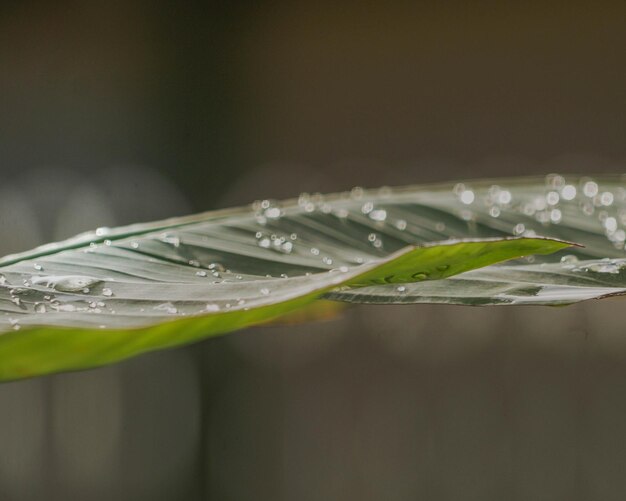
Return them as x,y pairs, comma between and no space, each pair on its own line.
604,266
327,260
519,229
420,275
569,259
303,198
168,308
66,283
16,300
467,197
3,279
40,308
37,266
356,192
326,208
134,245
170,239
107,292
504,197
194,263
201,273
273,213
65,307
212,307
606,198
552,198
619,236
401,224
494,211
590,189
274,242
367,207
610,224
568,192
588,208
555,180
401,288
101,231
378,215
539,203
315,251
265,291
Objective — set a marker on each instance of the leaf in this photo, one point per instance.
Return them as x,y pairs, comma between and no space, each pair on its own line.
123,302
551,284
115,293
589,211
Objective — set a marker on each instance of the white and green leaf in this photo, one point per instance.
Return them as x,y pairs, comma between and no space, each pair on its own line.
58,321
591,212
115,293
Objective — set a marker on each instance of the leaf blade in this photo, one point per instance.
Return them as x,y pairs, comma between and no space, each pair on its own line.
546,284
39,350
152,269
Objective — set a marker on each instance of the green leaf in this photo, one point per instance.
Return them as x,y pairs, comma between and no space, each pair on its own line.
589,211
69,322
551,284
115,293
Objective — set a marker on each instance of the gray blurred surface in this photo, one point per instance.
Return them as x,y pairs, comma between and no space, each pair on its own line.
130,111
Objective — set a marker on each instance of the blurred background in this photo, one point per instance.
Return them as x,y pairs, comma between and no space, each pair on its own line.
126,111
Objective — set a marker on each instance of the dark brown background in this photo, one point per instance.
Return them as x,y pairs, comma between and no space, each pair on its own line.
124,111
